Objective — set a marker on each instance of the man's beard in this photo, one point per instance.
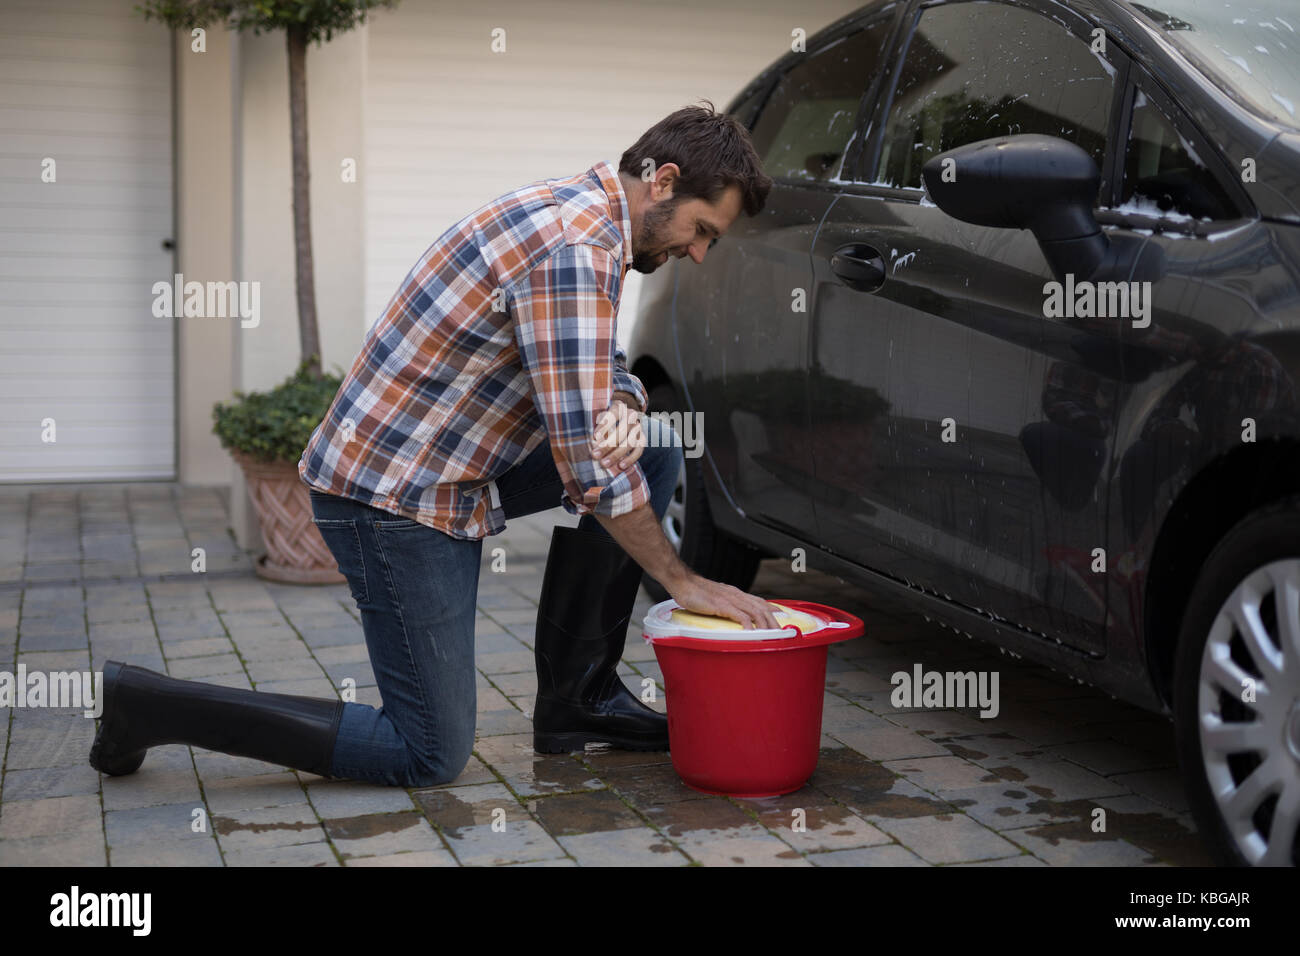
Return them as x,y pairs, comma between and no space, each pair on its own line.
647,259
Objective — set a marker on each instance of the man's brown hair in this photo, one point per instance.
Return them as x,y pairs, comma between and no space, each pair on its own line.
712,151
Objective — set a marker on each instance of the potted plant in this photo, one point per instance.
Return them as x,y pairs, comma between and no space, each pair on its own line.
265,432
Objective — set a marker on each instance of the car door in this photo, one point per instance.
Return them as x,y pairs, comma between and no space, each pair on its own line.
1191,378
974,462
741,318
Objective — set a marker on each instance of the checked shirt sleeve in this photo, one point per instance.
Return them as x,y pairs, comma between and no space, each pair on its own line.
564,326
625,381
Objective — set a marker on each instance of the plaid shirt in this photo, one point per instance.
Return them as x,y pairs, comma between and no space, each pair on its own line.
500,337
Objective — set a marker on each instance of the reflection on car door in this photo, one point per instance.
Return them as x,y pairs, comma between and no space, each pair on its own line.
964,468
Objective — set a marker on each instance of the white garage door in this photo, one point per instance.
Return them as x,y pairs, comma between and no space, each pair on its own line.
86,370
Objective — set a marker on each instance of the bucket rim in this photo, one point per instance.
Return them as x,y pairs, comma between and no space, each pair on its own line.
837,626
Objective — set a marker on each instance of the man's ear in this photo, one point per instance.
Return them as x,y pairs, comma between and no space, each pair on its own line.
661,187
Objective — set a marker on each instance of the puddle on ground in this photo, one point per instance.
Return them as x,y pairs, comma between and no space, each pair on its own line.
371,824
228,825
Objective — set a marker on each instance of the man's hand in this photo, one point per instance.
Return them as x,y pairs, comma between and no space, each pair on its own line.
642,537
703,596
618,440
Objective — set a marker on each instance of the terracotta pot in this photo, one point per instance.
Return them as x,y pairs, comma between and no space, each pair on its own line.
295,552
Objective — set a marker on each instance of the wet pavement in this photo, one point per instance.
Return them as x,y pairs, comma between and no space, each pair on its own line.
1063,775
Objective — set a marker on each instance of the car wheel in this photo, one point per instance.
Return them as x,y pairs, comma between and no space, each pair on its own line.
1237,692
689,527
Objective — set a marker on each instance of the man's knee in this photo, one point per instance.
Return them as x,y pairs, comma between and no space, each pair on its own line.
442,763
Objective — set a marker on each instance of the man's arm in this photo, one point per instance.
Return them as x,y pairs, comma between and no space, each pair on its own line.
642,536
564,326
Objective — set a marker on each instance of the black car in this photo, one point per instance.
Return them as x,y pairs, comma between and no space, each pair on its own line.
1017,336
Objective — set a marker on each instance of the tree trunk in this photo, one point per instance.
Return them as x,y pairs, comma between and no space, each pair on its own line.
308,330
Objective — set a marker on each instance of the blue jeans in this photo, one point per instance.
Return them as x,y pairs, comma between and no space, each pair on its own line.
416,589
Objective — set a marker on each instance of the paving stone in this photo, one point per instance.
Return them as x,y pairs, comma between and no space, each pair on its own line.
1160,786
271,649
377,834
505,662
547,774
343,654
419,858
192,667
981,746
147,788
49,781
1013,807
64,742
591,812
155,825
344,636
509,721
296,854
198,647
1024,859
1166,835
891,855
518,842
76,815
65,660
1108,757
228,794
945,773
1053,779
492,699
948,838
185,853
457,808
632,846
648,787
1075,844
267,827
809,821
887,742
346,798
54,850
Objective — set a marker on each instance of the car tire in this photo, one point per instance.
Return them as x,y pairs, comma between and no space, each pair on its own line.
688,524
1237,701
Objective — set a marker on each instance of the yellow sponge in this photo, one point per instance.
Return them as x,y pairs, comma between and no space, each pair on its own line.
708,622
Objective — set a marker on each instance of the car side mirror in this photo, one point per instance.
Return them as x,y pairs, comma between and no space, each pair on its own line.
1046,185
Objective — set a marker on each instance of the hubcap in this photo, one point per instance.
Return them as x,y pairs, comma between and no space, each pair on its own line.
1248,711
674,522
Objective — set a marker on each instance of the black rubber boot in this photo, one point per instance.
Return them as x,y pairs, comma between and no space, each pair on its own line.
588,591
144,709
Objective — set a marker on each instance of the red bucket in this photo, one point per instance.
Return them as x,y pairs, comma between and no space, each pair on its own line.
745,716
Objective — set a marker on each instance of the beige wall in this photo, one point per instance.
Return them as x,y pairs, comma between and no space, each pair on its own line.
204,248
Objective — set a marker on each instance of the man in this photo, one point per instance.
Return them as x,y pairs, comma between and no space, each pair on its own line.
491,387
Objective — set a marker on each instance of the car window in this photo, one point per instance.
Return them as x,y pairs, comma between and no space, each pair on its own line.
808,122
976,71
745,109
1163,175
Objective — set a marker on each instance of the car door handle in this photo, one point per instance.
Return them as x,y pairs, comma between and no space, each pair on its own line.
859,266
